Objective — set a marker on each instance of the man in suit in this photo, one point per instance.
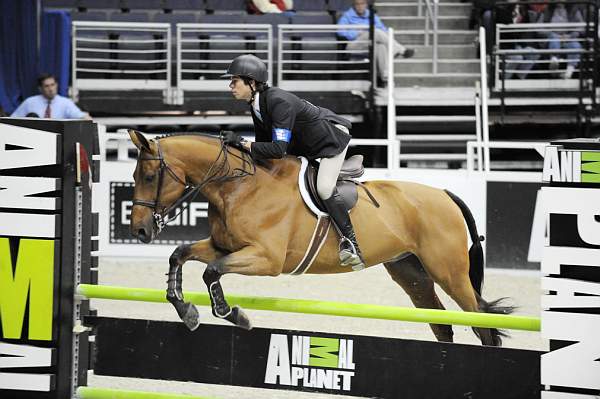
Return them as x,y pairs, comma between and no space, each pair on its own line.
286,124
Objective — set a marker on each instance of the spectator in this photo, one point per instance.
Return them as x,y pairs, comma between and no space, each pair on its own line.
269,6
358,14
32,115
565,40
524,61
49,104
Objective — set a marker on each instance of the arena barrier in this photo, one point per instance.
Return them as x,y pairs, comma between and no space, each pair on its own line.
49,348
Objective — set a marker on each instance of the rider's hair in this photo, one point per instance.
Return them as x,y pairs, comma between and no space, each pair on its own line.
260,87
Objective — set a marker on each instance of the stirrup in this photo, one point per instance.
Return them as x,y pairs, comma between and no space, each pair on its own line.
350,256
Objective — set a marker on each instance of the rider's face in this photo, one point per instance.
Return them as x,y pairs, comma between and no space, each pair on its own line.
239,89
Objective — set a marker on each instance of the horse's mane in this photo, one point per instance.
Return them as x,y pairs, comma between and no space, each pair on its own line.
167,135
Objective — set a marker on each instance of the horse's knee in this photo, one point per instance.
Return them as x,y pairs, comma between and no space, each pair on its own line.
180,252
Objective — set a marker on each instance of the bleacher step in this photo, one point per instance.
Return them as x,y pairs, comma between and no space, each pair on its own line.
438,80
404,8
412,22
417,36
418,65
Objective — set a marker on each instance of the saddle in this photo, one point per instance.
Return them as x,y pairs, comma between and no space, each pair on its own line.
352,168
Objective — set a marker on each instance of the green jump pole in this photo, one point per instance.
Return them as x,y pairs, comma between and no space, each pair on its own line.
434,316
106,393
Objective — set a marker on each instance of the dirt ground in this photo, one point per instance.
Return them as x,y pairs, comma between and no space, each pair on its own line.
372,286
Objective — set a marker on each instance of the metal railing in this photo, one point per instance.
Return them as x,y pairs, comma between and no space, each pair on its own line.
204,52
313,57
120,55
526,63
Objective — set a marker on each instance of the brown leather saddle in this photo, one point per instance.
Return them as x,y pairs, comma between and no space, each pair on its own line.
352,168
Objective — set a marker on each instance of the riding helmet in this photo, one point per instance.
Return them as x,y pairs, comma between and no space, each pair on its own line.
247,66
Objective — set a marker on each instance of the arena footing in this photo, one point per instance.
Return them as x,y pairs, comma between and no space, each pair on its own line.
312,361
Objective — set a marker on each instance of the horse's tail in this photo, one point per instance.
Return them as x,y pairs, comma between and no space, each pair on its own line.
476,251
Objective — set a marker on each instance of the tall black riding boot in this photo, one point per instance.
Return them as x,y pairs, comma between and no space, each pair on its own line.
350,254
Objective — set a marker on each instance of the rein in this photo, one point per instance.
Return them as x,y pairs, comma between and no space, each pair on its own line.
220,171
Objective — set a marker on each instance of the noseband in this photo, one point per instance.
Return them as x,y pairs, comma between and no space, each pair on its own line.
220,173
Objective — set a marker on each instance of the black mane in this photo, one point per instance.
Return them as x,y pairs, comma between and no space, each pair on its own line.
167,135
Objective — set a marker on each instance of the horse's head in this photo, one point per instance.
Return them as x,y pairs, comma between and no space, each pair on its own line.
159,183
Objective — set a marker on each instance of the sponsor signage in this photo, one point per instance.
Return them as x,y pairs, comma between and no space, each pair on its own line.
37,254
190,224
571,274
315,362
571,166
29,242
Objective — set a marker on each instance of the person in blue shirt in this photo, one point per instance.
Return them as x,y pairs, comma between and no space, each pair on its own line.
358,14
49,104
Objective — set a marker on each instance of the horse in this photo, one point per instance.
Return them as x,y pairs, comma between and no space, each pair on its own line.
259,226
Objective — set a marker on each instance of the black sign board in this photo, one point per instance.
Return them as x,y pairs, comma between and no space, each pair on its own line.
189,226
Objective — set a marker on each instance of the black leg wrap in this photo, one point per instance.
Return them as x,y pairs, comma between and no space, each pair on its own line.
187,312
220,308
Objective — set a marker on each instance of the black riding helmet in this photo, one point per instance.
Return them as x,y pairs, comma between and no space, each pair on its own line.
247,66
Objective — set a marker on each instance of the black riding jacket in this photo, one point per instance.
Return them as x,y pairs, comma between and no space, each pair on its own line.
291,125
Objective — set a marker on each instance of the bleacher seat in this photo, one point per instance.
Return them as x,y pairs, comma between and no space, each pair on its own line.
320,19
316,42
63,4
271,19
134,16
177,17
310,5
99,4
229,6
184,5
142,4
339,6
89,16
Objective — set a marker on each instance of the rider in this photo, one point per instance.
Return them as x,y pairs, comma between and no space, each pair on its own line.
286,124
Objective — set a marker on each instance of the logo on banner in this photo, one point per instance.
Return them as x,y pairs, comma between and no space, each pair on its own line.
315,362
29,224
569,166
189,225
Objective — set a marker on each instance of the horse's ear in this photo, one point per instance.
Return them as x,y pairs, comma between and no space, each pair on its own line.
139,140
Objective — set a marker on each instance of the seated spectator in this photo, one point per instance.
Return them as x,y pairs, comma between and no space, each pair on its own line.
526,60
270,6
49,104
565,40
358,14
485,13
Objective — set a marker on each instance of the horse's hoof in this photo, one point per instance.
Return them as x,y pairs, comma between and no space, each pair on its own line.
191,317
240,319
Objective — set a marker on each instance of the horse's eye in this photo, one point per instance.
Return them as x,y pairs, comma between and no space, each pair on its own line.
149,178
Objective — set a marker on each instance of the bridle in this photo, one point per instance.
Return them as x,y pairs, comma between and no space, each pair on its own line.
218,172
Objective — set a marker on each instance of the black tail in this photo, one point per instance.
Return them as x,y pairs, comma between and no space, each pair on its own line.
476,251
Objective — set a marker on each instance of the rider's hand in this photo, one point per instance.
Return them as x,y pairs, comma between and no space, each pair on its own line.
232,139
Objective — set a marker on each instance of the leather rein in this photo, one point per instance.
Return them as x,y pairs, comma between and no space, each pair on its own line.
219,171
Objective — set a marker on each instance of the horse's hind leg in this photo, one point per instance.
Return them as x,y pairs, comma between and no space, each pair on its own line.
248,261
411,276
450,269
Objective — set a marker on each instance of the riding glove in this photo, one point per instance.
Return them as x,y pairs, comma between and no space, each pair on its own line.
232,139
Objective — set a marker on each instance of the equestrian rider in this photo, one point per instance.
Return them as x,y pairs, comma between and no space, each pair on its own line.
286,124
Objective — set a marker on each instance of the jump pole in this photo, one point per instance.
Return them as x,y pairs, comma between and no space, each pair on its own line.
107,393
305,306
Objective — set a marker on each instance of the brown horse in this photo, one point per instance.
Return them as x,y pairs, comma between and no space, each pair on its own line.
261,227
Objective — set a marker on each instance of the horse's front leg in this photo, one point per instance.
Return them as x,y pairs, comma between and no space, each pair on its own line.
248,261
203,251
